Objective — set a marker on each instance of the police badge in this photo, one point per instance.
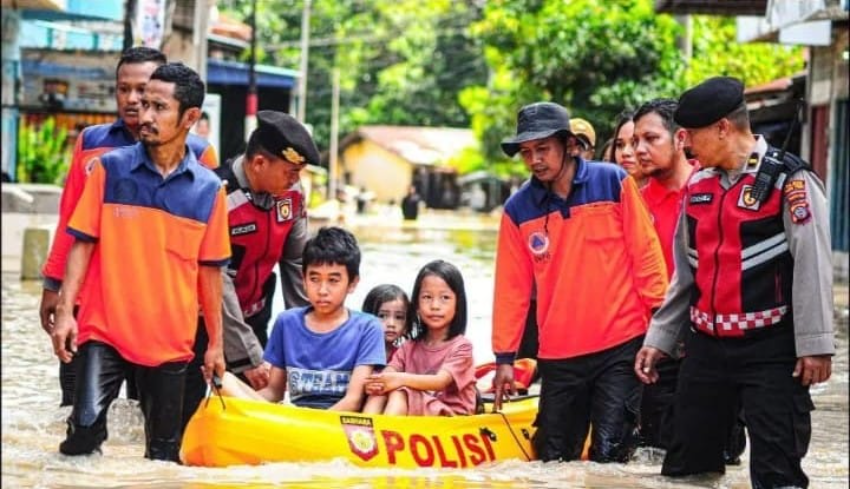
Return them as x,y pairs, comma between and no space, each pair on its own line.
284,209
292,156
746,199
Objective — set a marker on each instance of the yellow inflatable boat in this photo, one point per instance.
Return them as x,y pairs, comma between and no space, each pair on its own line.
231,431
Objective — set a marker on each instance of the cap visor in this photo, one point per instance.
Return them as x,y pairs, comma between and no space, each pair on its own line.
511,145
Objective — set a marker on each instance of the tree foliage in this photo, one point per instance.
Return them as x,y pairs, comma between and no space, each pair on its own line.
401,62
473,63
595,58
716,52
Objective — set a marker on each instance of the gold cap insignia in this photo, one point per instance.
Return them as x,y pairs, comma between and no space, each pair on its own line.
292,155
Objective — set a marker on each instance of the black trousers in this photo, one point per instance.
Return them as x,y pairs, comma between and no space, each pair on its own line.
68,379
101,370
656,409
599,389
656,414
755,371
196,388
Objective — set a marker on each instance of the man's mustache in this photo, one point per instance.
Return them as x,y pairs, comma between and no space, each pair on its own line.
149,128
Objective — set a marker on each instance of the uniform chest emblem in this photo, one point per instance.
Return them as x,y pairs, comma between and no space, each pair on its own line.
89,166
746,199
538,243
284,209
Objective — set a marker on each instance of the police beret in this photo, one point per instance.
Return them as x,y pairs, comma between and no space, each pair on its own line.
709,102
283,136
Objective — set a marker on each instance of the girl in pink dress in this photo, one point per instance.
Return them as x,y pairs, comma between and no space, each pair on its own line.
392,307
432,374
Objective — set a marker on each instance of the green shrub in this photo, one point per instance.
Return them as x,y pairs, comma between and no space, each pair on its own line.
43,154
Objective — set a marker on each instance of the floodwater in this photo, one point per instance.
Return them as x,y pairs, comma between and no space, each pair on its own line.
33,424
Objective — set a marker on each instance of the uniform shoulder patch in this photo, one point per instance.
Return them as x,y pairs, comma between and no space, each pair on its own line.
797,200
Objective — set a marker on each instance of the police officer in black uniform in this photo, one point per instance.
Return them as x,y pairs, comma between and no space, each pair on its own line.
754,281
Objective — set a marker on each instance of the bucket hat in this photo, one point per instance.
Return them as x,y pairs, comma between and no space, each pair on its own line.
537,121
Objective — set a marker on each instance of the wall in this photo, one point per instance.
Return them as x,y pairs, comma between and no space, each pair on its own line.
379,170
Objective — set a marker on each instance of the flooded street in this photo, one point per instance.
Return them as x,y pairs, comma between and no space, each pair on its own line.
33,424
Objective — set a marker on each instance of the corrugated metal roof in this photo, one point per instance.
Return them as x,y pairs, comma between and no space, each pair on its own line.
418,145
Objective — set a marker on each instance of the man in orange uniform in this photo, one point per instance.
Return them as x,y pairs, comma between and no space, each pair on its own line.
580,232
151,238
134,69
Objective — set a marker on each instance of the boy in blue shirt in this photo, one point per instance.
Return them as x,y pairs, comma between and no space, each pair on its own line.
324,352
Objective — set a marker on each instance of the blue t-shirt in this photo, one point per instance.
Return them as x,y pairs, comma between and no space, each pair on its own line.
319,365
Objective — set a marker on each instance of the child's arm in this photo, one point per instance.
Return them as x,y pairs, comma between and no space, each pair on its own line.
276,387
420,382
353,399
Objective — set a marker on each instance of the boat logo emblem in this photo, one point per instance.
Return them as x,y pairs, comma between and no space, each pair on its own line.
361,436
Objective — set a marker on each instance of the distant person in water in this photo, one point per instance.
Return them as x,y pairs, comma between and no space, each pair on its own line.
410,204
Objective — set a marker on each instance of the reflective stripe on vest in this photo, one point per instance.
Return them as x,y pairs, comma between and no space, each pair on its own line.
736,324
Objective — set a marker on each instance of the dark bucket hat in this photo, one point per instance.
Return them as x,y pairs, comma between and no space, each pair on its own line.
537,121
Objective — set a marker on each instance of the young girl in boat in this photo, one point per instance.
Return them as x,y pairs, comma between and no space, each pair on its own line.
432,374
391,305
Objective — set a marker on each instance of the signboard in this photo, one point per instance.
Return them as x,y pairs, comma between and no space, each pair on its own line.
68,81
150,23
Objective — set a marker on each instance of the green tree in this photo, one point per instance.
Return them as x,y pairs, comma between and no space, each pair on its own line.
716,52
401,61
43,152
593,58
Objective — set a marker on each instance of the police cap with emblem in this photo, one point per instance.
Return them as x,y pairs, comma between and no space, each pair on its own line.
283,136
709,102
537,121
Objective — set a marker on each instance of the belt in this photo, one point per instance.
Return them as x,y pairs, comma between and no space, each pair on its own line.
736,324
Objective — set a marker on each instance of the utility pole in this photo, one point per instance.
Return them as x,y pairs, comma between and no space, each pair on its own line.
685,41
251,99
129,14
332,163
199,36
305,54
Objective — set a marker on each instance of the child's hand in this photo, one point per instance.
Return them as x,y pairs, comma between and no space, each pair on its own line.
383,383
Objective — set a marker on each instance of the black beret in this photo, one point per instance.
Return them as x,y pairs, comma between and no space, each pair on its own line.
283,136
709,102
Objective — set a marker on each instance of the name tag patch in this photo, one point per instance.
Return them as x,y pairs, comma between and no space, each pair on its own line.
243,229
701,199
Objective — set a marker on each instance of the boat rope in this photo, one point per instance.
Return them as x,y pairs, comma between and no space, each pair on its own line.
216,387
516,439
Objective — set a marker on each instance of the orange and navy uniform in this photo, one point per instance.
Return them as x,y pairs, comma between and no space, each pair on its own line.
665,205
91,143
152,234
595,259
